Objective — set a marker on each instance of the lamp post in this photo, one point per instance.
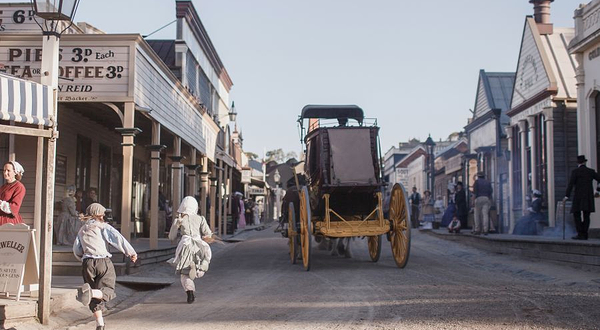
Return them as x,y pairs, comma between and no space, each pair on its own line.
277,179
53,13
430,145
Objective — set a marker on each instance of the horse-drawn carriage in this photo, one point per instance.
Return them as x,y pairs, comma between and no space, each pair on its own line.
342,196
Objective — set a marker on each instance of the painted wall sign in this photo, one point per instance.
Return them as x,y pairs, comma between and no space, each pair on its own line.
17,18
246,176
86,73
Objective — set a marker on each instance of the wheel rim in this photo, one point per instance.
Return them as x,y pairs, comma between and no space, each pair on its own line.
400,234
292,232
374,243
305,228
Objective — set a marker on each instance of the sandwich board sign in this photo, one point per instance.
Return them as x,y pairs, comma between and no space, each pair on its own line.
18,260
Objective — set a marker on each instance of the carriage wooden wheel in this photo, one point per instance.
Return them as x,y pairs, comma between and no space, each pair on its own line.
374,243
400,232
292,234
305,231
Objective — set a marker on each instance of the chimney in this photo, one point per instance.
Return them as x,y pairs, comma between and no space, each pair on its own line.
541,14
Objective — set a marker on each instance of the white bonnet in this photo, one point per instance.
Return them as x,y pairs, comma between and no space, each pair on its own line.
18,168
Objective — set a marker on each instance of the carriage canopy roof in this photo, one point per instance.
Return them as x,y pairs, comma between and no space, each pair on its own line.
333,112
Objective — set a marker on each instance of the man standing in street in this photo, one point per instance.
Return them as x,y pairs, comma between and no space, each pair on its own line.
415,201
482,190
582,179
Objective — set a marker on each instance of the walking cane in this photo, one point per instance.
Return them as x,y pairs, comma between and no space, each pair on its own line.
564,217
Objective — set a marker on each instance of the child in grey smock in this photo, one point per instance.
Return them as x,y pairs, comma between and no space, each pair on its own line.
98,270
193,253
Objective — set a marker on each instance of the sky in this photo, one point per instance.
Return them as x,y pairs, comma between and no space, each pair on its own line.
412,64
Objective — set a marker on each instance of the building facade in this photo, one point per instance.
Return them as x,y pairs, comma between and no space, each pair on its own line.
586,48
487,140
542,133
132,121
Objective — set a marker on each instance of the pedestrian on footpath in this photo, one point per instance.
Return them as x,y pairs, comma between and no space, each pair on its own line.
193,253
68,223
98,270
582,179
12,193
427,210
482,189
415,201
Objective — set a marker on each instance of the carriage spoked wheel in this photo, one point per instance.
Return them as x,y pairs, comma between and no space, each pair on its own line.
305,231
292,234
400,231
374,243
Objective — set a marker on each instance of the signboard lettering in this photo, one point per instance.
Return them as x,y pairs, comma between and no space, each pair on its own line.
85,73
18,261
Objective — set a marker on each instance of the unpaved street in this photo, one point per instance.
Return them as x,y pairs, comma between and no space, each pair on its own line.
252,285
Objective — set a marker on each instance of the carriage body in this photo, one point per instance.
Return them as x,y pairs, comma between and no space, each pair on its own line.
343,192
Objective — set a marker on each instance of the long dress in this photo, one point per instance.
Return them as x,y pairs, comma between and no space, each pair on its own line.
68,222
13,193
242,220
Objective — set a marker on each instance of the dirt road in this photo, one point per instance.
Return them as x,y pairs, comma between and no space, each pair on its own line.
252,285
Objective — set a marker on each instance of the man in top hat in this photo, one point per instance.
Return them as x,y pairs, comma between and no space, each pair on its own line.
482,189
582,179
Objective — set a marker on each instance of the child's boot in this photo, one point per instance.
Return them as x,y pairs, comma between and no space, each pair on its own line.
84,294
190,296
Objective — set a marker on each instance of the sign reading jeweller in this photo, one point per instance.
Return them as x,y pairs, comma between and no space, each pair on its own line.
18,260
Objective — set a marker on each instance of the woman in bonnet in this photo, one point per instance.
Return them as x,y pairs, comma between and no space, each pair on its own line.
12,193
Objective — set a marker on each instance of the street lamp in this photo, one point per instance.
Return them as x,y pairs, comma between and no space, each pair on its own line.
232,114
53,12
430,145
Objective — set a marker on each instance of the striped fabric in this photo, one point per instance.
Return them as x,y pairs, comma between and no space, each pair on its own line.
25,101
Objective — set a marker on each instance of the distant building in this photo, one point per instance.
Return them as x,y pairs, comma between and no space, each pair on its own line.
487,140
542,133
392,173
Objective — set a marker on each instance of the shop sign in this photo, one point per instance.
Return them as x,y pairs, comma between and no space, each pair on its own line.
86,73
18,19
18,264
246,176
453,164
256,191
402,176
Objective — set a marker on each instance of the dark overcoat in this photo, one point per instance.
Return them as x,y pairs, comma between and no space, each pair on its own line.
582,179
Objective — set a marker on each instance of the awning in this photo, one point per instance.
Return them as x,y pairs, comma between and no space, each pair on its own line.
25,101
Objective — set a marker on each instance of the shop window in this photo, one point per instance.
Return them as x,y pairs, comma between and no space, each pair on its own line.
83,163
104,174
4,147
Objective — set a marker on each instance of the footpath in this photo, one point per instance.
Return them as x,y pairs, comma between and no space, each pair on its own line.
581,254
147,275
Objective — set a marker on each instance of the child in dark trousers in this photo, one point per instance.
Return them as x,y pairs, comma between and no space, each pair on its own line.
98,270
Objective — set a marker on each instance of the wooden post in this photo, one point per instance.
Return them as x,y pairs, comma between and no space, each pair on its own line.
49,77
39,183
128,132
220,169
176,168
213,188
155,149
549,114
203,185
523,132
510,205
191,176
